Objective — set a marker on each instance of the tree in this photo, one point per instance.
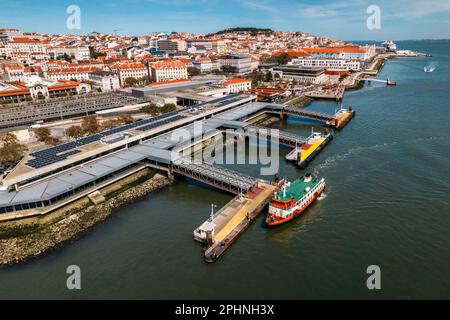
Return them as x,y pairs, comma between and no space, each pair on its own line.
192,71
75,132
282,58
52,141
10,149
94,54
265,58
90,125
218,72
229,69
145,80
126,119
151,109
168,108
109,124
269,76
256,77
66,57
130,81
42,134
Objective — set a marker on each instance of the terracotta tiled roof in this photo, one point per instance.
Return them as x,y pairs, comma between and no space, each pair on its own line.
169,64
25,40
298,53
352,49
127,65
73,70
169,82
236,80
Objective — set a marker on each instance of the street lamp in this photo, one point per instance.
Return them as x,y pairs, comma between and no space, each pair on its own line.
212,211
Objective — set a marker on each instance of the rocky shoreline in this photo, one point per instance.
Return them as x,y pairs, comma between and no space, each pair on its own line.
31,245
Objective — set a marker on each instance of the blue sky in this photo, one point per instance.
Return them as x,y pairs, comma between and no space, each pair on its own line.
400,19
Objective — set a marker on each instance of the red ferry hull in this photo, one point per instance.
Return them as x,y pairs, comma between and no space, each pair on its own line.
297,213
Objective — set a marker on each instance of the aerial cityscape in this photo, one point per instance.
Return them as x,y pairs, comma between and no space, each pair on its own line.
233,161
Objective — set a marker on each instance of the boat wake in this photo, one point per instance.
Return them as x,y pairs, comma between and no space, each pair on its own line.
333,160
431,67
323,196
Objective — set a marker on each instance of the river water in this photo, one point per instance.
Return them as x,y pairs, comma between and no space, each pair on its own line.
387,204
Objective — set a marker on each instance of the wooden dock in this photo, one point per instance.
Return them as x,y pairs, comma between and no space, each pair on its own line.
220,231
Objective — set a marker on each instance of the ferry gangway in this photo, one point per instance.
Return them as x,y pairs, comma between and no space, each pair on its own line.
309,114
219,177
284,138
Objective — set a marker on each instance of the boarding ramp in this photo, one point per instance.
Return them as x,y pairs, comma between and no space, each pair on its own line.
219,177
284,138
308,114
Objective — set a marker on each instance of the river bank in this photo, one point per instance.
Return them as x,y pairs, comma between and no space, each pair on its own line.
376,69
21,241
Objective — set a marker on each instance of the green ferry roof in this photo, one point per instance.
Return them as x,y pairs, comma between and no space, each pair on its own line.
297,190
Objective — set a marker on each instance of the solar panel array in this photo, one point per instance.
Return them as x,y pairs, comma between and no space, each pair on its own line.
49,156
59,153
160,123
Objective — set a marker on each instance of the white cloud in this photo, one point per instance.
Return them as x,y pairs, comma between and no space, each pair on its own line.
418,9
258,5
327,10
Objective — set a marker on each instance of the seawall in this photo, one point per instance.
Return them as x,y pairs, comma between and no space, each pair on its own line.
25,239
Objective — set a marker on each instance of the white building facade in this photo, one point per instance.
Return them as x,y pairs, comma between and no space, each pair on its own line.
105,80
78,74
329,64
236,85
126,70
168,70
242,63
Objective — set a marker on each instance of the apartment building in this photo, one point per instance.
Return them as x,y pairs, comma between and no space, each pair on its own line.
167,70
203,64
169,45
344,52
27,45
105,80
127,69
241,62
236,85
74,73
329,64
299,73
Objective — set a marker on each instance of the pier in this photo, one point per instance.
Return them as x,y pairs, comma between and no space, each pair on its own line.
223,228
